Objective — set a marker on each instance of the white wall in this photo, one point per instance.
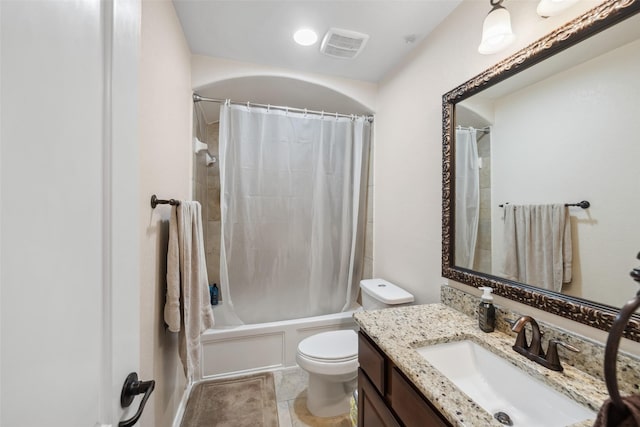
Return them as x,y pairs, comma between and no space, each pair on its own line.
207,70
408,126
553,144
165,169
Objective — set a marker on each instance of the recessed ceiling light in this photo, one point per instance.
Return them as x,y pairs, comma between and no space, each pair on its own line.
305,37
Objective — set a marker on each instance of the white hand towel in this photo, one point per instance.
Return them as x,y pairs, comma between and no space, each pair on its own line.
510,249
187,281
537,245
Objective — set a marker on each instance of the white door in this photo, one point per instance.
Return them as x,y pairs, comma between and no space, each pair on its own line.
69,290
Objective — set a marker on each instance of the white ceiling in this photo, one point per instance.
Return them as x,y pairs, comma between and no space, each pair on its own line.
261,31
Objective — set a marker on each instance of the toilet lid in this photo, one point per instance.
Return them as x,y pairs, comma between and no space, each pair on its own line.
334,345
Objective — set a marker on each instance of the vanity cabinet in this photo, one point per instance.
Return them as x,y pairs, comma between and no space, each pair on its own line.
386,398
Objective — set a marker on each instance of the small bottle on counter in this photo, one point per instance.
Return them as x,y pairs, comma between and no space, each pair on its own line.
486,311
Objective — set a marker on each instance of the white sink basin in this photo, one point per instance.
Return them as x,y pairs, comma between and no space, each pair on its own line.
498,386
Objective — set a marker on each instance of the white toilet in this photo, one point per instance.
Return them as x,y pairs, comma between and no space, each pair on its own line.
331,358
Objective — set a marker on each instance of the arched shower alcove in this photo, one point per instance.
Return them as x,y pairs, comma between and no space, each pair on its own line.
267,90
228,349
283,91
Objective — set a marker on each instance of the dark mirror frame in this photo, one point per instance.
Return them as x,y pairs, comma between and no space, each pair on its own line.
580,310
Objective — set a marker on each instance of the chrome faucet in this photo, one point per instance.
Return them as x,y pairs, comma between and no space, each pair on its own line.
533,350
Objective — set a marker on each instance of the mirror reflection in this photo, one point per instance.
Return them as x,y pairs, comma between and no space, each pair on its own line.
558,133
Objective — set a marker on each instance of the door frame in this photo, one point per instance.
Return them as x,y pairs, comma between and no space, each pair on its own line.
120,281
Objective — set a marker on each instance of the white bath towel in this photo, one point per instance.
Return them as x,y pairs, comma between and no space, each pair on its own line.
188,308
537,245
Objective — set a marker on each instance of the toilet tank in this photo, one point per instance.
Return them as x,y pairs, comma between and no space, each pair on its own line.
379,293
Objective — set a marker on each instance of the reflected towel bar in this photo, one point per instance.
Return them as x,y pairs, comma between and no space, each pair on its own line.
583,204
155,202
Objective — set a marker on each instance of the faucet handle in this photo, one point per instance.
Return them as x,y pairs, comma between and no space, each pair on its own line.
552,353
565,345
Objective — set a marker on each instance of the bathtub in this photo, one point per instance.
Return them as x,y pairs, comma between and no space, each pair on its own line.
229,351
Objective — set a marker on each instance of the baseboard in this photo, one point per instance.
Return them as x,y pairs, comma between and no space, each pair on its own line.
182,406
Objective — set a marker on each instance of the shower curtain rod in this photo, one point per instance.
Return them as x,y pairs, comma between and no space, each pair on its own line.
198,98
485,129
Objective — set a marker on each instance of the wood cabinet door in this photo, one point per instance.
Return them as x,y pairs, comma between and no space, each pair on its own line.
372,411
410,406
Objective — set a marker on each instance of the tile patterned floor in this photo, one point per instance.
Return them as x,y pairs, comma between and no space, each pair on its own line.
291,399
291,396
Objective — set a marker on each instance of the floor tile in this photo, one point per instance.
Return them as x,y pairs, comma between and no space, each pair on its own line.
301,417
291,400
284,417
290,383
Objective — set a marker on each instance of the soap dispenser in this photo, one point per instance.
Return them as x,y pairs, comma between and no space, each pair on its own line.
486,311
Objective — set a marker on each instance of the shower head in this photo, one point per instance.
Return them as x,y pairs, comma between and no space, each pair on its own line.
199,146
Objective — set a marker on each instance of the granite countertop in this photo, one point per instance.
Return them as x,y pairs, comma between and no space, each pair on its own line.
397,331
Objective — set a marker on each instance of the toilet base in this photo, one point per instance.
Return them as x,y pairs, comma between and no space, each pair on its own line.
329,397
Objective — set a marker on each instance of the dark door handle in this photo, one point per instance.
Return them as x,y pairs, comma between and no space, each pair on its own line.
131,388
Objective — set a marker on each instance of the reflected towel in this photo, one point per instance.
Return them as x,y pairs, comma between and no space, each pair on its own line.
188,284
537,245
611,416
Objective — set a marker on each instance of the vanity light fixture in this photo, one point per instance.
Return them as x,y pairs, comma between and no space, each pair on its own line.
547,8
496,29
305,37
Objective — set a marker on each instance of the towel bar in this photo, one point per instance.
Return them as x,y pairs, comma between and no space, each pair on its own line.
583,204
155,202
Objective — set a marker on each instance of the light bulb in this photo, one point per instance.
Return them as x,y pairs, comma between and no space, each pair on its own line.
496,31
305,37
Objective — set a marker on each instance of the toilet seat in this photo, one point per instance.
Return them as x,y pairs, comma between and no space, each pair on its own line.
330,353
328,361
333,346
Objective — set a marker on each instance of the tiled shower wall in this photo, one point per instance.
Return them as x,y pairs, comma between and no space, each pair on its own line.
206,184
207,192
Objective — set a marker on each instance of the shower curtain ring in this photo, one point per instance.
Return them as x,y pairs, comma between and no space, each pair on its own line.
248,106
305,112
268,108
322,115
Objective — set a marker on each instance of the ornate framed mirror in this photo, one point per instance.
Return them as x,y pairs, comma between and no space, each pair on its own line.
553,117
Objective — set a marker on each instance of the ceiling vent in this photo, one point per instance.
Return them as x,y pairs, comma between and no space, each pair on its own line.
343,44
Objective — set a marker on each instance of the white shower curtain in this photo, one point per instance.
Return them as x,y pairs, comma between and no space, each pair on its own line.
467,201
292,213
